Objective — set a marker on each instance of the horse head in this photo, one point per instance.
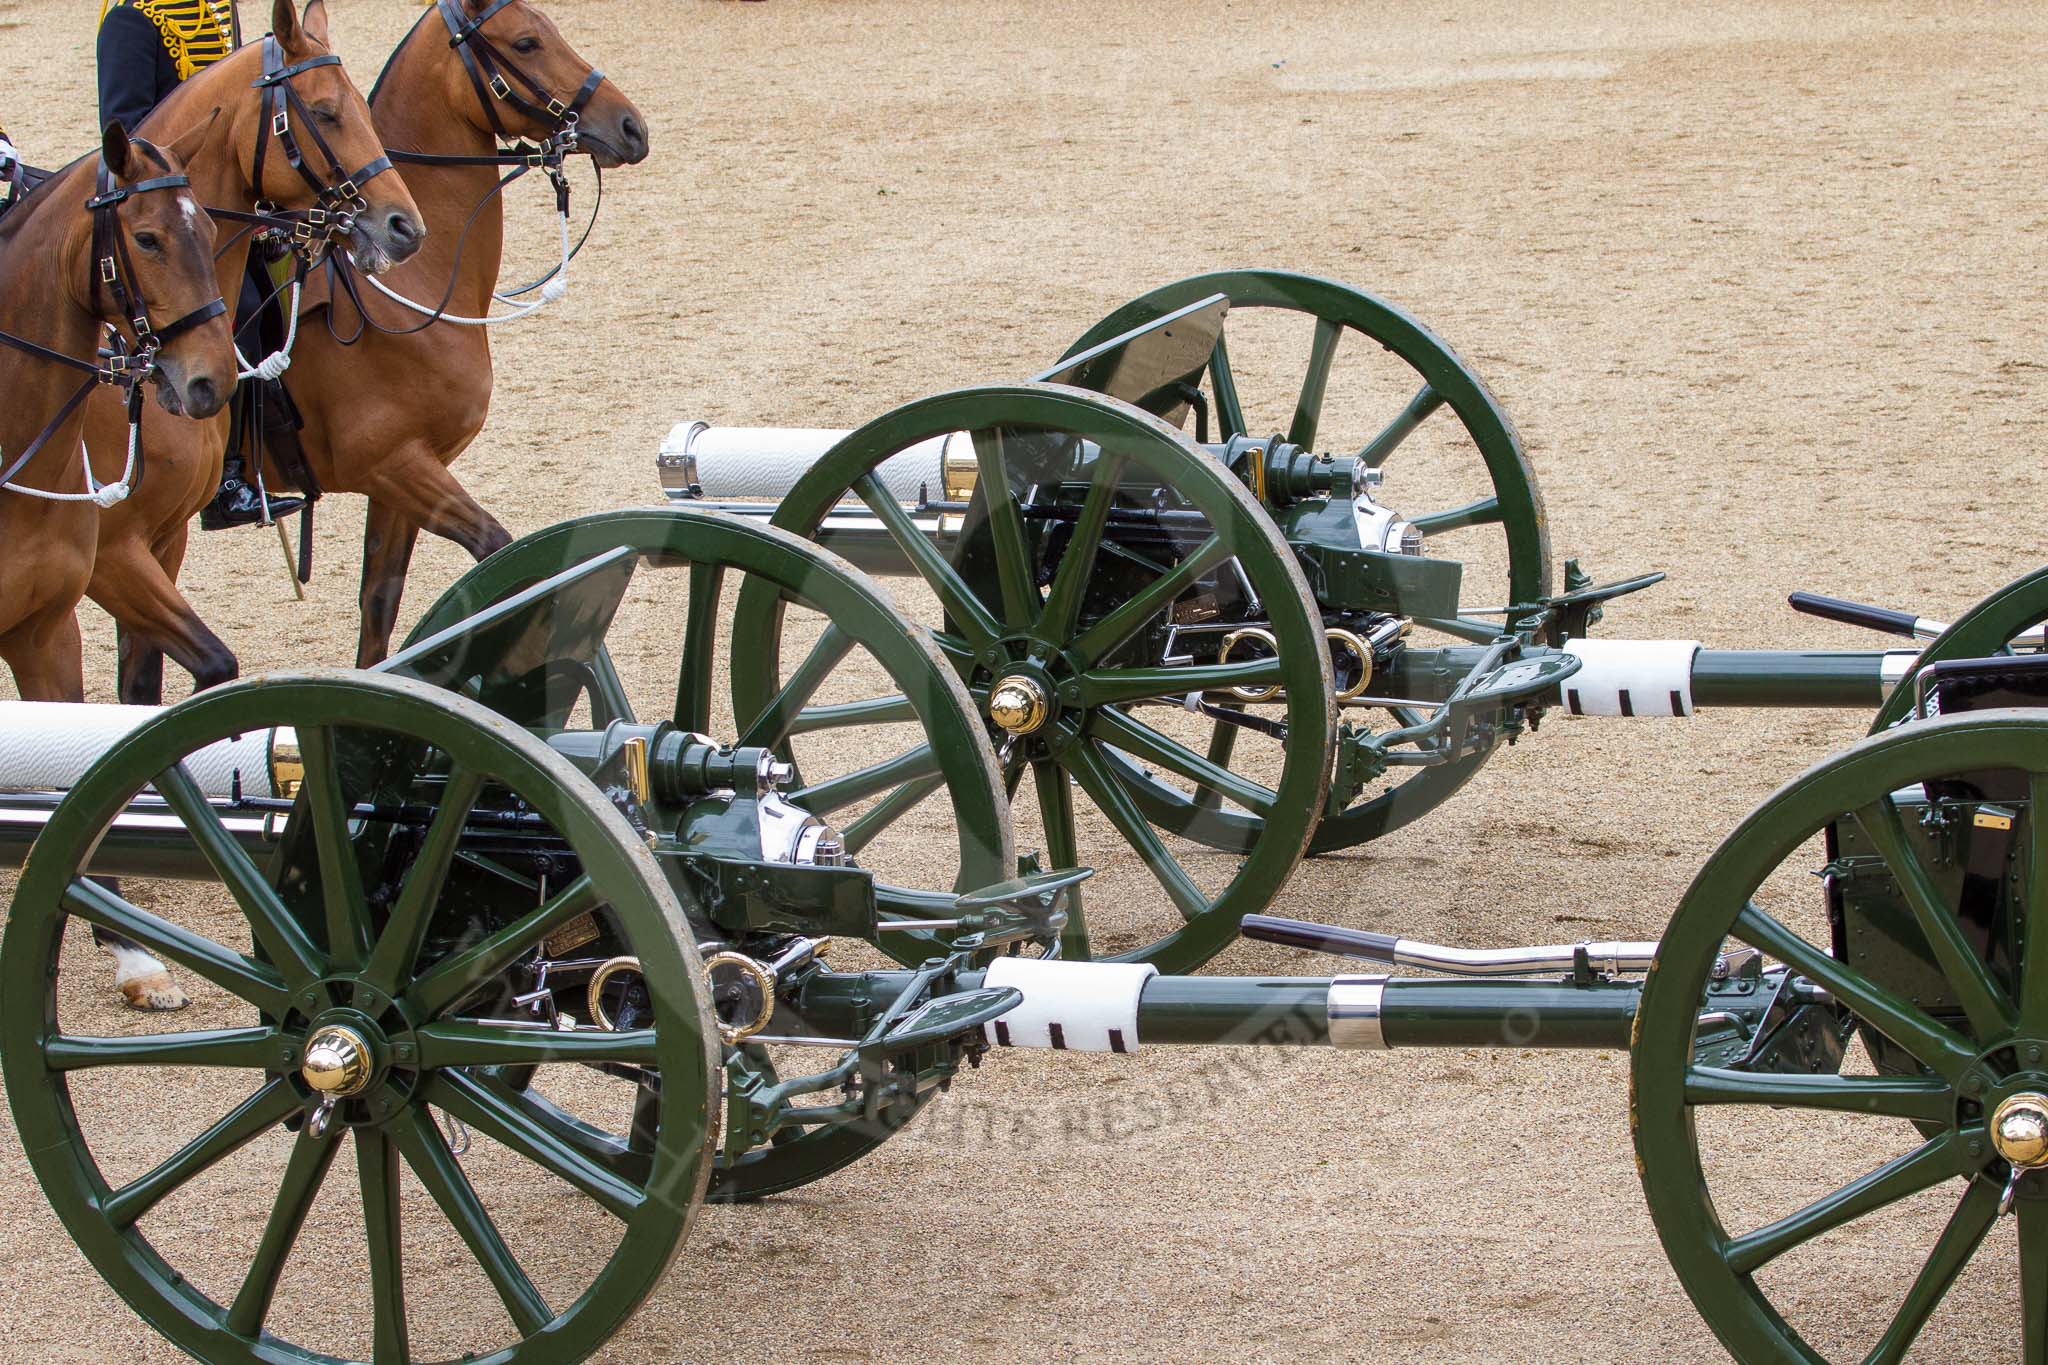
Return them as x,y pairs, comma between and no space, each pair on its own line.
515,76
307,141
152,265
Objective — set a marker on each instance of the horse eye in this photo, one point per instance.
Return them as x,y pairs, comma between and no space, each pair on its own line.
148,241
527,45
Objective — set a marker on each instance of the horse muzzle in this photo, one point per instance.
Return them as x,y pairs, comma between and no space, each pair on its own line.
381,238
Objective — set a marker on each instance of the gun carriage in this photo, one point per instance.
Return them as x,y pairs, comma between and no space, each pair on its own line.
672,923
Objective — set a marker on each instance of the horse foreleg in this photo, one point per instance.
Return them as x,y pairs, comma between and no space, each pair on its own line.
138,590
419,487
47,655
388,538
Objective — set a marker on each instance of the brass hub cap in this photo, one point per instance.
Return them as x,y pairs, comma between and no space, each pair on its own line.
2019,1130
1018,704
337,1062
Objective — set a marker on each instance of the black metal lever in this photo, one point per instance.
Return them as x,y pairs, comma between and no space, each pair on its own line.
1320,938
1854,613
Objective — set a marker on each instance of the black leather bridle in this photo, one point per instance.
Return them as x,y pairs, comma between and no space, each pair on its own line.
127,360
496,77
338,195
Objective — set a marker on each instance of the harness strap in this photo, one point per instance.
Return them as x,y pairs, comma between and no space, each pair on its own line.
340,195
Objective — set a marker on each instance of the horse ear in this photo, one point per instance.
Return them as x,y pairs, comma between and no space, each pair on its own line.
284,24
315,22
186,145
114,149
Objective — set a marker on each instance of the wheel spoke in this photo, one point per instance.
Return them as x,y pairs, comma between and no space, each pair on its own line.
276,931
327,809
252,1047
609,701
1485,512
2033,990
2033,1238
297,1189
1114,727
886,812
398,947
700,631
428,1155
242,977
482,1110
1229,410
1098,641
1952,1251
243,1124
1375,452
1991,1015
1897,1018
1114,801
1077,565
1014,574
1899,1097
822,798
455,977
1115,686
1308,409
1919,1169
778,720
456,1042
962,607
377,1174
1056,812
890,710
1222,743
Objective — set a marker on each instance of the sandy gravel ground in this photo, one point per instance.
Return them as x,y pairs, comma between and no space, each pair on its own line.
1761,284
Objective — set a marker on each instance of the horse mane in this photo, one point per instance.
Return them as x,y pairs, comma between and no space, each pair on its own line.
392,60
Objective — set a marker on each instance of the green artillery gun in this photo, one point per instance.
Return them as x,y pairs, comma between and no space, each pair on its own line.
1225,637
490,892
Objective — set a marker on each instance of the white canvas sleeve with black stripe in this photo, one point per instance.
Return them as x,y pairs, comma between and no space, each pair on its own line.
1069,1006
1631,678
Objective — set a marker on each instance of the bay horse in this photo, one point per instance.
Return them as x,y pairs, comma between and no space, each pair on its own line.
236,108
390,398
119,238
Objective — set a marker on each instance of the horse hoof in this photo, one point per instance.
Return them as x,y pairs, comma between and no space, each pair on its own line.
153,992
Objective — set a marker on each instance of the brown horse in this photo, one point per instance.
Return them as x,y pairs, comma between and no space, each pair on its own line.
142,541
146,252
390,401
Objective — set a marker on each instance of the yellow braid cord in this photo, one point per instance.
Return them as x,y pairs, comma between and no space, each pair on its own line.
197,33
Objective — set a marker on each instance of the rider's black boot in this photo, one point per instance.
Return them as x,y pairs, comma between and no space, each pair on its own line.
238,503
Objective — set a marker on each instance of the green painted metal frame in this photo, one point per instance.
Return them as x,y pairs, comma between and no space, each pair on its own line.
1995,1045
1009,623
1447,382
330,961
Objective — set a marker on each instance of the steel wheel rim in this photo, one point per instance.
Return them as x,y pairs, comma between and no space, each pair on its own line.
1143,443
1661,1114
1444,373
862,608
612,855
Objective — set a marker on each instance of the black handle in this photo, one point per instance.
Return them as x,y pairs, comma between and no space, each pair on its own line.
1854,613
1320,938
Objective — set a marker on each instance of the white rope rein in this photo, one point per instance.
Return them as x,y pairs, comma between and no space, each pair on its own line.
554,289
280,360
105,494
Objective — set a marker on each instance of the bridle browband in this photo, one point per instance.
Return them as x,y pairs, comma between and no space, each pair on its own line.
127,360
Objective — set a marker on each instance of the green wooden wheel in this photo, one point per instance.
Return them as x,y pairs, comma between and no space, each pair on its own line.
1935,1114
703,549
1505,524
1038,610
300,949
1979,633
